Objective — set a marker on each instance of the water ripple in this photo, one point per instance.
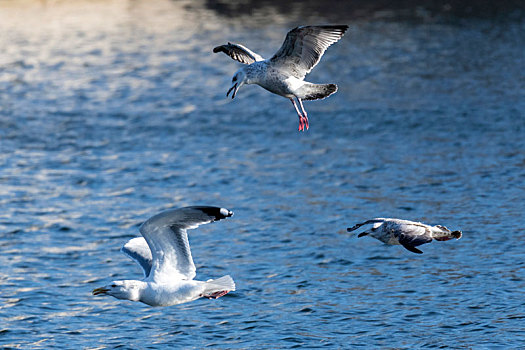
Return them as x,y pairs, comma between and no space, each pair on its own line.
112,112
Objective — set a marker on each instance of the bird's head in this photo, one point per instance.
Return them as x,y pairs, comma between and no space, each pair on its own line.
127,290
238,80
444,234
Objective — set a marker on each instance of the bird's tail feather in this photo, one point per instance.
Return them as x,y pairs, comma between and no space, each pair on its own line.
224,283
311,91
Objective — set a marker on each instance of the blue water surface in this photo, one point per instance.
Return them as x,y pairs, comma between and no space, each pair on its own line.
113,111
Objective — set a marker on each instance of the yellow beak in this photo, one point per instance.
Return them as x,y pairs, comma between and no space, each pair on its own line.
100,290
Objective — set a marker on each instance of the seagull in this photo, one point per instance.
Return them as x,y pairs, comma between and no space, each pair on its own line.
165,257
284,73
409,234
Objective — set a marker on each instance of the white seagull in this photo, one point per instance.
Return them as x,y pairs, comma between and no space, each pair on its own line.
409,234
284,73
164,254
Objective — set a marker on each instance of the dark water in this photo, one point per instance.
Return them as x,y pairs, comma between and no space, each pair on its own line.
113,111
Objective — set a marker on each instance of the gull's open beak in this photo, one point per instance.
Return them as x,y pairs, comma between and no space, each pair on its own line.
100,290
234,88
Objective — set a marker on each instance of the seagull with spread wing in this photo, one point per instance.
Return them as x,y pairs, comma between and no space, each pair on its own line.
409,234
164,254
284,73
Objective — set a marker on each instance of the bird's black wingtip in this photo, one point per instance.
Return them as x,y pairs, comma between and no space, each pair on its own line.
216,212
332,27
225,213
341,27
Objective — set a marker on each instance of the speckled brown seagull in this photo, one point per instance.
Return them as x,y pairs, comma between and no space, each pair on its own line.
284,73
409,234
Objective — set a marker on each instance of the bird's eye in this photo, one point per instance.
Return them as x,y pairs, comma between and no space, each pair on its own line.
113,285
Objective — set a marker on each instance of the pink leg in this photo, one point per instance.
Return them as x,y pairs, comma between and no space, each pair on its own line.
301,118
216,295
305,116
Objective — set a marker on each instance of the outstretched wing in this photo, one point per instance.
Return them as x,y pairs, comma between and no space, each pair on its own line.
138,250
356,226
239,53
410,234
304,46
167,239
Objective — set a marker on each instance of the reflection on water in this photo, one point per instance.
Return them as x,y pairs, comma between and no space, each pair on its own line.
112,111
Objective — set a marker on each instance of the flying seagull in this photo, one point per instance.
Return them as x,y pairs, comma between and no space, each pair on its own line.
165,257
284,73
409,234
